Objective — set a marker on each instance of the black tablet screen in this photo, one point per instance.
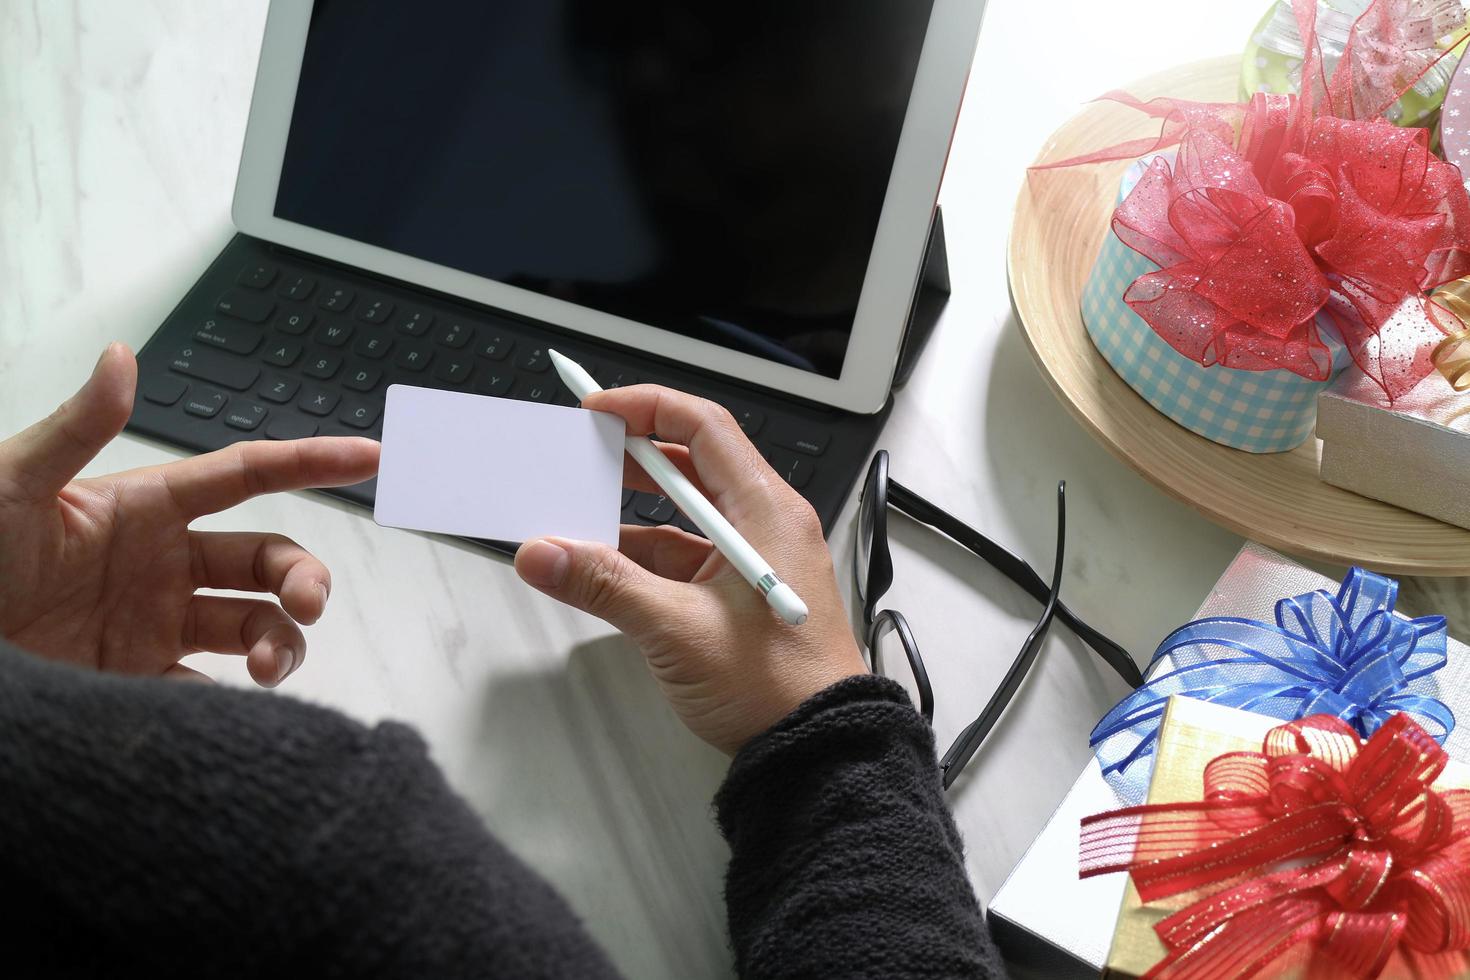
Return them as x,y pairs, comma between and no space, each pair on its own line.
714,169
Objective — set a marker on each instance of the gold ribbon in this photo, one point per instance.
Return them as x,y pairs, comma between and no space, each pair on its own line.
1451,356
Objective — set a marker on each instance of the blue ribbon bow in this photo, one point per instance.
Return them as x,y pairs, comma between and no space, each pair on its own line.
1348,656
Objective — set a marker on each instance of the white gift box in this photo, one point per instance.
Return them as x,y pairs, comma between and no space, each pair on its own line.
1046,919
1415,455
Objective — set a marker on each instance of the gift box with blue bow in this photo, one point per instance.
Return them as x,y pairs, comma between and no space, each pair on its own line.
1273,637
1339,652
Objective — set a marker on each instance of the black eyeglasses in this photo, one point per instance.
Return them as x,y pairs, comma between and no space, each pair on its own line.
873,572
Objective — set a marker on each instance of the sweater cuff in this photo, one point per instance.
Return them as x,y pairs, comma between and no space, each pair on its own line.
849,690
860,713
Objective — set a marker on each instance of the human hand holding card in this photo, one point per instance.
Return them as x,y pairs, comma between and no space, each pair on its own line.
498,468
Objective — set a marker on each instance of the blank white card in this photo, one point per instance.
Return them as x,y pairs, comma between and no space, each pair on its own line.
498,468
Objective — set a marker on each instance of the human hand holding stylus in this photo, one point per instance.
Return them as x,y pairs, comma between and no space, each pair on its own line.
729,667
686,496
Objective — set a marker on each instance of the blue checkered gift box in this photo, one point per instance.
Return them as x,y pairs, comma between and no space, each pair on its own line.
1257,411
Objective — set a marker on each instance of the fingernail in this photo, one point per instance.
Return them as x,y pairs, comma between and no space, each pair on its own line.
543,564
326,591
285,660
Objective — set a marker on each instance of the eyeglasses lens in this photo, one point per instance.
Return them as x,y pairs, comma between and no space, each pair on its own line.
863,545
892,661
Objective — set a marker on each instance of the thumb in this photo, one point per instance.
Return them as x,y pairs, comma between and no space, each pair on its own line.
596,579
44,458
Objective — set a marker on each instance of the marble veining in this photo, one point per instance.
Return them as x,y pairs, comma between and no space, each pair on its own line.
120,131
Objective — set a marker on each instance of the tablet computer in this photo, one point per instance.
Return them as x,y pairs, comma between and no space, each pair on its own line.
743,188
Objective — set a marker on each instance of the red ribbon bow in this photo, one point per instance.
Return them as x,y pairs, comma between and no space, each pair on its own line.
1319,846
1286,207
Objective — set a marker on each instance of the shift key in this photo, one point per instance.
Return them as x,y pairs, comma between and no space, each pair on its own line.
227,372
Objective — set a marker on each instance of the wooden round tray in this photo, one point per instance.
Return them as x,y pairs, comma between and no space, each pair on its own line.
1277,499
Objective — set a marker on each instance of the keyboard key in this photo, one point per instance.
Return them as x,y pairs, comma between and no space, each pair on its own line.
296,286
415,323
495,348
807,440
363,378
294,324
614,378
414,358
282,353
332,334
373,345
245,417
375,311
750,420
454,334
536,390
627,497
246,305
793,469
685,524
495,383
318,401
237,338
360,414
335,299
257,276
290,427
279,389
163,389
453,369
205,403
534,360
659,509
227,372
322,366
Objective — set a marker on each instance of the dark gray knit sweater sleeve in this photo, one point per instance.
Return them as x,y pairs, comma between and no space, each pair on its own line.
160,828
845,861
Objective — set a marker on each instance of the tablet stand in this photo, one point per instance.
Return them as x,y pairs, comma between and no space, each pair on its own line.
929,300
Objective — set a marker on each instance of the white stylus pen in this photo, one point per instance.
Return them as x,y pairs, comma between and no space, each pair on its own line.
676,485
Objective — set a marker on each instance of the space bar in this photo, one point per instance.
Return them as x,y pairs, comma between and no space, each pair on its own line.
223,371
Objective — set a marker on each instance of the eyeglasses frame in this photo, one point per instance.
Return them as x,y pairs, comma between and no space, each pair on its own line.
878,494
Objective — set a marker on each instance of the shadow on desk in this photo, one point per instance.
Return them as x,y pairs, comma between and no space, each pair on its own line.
1137,560
588,775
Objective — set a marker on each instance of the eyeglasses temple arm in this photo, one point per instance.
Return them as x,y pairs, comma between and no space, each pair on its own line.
971,738
908,502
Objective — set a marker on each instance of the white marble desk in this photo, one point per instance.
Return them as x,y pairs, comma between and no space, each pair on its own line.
120,129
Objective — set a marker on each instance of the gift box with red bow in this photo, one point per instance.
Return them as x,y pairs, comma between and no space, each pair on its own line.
1414,453
1289,850
1286,237
1058,925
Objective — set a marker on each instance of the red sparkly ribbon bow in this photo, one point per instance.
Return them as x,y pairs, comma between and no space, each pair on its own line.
1318,845
1286,207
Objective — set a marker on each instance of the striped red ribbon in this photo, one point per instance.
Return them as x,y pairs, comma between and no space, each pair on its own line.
1319,847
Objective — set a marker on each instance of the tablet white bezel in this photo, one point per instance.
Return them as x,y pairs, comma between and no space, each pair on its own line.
893,266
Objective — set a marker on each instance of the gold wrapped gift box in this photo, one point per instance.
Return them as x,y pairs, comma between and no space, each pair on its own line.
1193,733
